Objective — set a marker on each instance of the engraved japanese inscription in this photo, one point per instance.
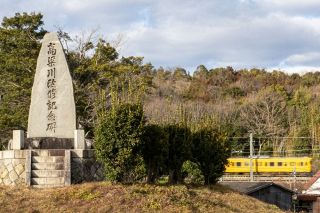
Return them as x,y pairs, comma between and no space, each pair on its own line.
51,86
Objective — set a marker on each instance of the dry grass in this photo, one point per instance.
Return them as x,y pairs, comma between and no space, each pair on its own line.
107,197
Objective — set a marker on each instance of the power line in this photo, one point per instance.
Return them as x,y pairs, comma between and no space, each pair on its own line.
285,137
289,150
314,147
275,137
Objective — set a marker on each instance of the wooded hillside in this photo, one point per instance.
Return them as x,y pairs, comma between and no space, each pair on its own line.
281,110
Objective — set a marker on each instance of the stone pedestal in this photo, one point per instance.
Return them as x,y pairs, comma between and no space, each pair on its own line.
43,167
18,140
79,142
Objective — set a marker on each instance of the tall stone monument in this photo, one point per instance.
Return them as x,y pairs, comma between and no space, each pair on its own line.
52,110
54,149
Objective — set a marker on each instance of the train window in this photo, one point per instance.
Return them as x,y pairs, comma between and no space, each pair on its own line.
238,163
271,163
246,164
232,164
265,164
306,163
279,163
259,164
301,163
292,163
284,164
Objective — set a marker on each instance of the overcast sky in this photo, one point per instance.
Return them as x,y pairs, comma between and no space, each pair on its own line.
271,34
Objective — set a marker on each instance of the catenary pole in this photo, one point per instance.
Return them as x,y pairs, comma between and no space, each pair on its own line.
251,156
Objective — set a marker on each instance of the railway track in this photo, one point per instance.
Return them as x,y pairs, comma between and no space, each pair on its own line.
260,178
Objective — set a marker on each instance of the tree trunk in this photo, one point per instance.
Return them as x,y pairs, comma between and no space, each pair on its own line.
173,179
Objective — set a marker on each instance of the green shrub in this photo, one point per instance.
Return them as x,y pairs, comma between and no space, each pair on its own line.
211,150
118,141
192,173
179,151
155,151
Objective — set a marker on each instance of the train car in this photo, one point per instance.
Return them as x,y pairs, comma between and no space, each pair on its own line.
275,165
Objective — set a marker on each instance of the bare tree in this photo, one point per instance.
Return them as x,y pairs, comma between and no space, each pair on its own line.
265,114
85,42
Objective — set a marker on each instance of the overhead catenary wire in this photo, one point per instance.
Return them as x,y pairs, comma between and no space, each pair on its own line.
292,150
314,148
276,137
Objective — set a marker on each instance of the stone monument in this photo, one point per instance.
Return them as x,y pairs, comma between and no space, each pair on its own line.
52,110
54,153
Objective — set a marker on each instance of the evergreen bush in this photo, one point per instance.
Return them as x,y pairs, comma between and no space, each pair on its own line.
211,150
118,142
155,151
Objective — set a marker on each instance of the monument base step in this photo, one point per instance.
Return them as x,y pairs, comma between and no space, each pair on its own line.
47,173
48,152
47,159
47,181
47,166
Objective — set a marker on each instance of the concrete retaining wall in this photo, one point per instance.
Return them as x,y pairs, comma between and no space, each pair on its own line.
12,167
84,167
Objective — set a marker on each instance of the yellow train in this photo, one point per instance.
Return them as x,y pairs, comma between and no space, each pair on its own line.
270,165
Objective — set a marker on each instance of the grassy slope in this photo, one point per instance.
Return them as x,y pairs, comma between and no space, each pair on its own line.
106,197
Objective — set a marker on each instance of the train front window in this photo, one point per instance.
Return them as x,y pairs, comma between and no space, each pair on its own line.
238,163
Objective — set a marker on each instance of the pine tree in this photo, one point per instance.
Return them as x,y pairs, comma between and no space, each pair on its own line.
19,47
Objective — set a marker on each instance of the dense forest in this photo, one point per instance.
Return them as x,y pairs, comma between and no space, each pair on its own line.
280,109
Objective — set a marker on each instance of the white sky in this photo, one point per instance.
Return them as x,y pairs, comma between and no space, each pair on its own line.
280,34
